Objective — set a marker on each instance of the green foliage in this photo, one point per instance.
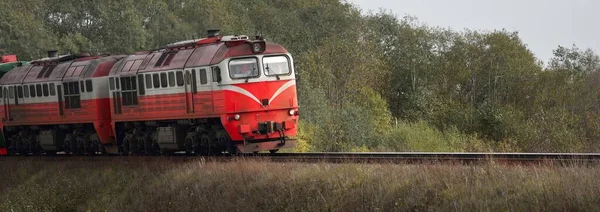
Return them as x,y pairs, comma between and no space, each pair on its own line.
456,90
421,137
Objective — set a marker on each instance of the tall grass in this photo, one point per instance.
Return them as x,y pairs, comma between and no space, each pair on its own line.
253,185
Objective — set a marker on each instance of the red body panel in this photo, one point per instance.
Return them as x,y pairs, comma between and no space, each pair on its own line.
166,107
252,112
95,111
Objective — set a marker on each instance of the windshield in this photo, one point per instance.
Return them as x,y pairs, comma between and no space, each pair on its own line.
243,68
277,65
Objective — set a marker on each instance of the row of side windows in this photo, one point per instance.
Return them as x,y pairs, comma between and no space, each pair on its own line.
29,91
40,90
162,80
129,85
174,79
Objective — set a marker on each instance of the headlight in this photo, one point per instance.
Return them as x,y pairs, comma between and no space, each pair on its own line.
236,117
291,112
258,46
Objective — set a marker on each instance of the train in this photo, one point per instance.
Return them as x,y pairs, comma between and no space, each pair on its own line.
222,94
7,63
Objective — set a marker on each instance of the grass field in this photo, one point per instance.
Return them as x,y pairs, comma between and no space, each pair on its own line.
30,184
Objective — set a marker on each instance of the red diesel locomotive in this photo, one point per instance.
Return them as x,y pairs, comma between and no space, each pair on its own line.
208,96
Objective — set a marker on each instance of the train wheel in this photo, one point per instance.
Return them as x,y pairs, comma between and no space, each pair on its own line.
79,145
67,144
140,146
203,141
151,146
125,146
225,143
190,139
101,148
273,151
134,147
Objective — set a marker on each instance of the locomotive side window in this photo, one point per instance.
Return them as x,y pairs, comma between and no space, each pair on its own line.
74,87
32,90
20,91
187,78
38,90
125,83
216,74
111,83
81,85
203,78
243,68
141,84
88,86
25,91
11,92
194,82
179,76
163,80
277,65
72,95
45,89
117,82
148,81
129,90
171,79
156,80
52,89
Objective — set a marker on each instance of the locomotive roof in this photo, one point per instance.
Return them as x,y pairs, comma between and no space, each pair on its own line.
191,53
46,70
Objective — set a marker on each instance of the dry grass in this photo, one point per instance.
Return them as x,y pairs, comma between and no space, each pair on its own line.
250,185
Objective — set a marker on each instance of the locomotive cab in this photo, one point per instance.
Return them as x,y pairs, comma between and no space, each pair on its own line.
260,99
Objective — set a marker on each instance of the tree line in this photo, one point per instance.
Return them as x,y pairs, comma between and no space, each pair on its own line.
366,81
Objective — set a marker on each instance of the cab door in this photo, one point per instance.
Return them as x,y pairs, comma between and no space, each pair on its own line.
115,88
6,104
204,93
61,107
190,89
10,100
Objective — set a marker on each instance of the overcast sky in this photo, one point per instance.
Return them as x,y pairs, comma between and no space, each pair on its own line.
542,24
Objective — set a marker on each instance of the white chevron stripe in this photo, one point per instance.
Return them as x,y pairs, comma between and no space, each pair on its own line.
241,91
282,88
248,94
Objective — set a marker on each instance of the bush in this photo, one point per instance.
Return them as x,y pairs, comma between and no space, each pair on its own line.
420,136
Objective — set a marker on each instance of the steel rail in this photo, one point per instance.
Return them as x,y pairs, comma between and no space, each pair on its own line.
460,157
354,157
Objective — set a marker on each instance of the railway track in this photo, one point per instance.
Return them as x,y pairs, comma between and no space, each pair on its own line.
441,157
355,157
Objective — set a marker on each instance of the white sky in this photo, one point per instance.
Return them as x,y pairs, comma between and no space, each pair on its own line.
542,24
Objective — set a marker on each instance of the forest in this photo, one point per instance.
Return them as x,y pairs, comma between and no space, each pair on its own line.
367,80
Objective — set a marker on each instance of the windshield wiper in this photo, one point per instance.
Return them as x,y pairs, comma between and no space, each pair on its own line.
269,70
248,78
